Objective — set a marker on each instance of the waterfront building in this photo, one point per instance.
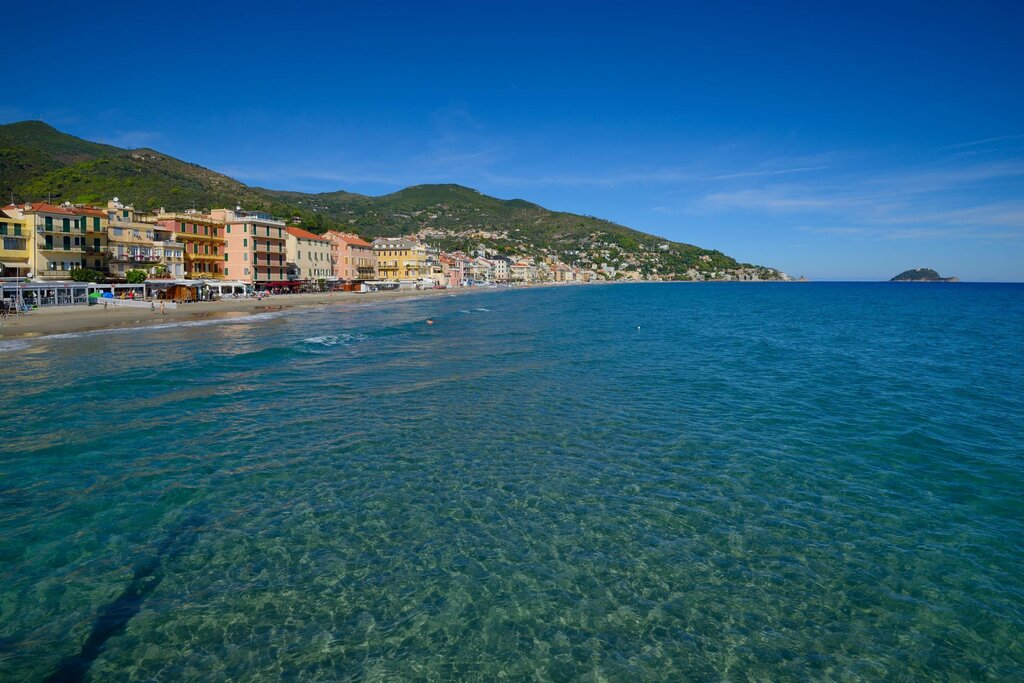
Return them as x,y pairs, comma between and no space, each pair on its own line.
499,269
400,258
308,255
255,246
453,270
520,271
95,221
129,240
58,238
16,244
354,257
169,252
203,240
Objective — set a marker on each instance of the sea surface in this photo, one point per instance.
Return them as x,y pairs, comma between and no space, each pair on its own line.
623,483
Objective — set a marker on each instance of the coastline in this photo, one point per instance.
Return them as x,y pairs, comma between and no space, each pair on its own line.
76,319
52,321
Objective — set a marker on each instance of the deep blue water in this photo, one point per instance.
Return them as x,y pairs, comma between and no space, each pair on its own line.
639,482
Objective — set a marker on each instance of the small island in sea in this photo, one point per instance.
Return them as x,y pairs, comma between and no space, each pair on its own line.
922,275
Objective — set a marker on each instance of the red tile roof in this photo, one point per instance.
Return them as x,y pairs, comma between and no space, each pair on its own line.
41,207
353,240
303,234
348,238
89,211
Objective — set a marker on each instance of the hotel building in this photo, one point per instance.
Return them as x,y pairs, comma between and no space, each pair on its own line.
309,255
255,246
16,244
400,258
354,258
203,239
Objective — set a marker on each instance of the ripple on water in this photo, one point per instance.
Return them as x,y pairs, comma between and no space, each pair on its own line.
747,487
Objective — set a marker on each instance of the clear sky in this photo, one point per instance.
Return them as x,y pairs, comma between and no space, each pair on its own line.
836,140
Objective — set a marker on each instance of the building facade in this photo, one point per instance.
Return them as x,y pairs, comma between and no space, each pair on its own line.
203,240
16,245
129,240
95,223
400,258
255,246
354,258
169,252
57,243
308,255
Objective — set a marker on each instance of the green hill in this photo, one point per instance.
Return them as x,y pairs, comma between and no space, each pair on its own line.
922,275
39,162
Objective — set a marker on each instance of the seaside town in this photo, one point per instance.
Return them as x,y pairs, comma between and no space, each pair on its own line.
76,254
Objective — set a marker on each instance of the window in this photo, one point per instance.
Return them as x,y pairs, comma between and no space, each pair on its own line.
67,243
3,228
245,256
49,222
181,226
225,269
225,256
245,241
228,228
17,229
66,224
14,244
95,223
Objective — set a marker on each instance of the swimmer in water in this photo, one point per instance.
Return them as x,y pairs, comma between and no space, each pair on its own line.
430,321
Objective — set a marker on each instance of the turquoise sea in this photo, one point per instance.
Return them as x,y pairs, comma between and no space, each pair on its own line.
623,483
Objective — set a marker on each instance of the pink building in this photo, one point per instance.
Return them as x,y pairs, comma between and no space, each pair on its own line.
255,247
353,257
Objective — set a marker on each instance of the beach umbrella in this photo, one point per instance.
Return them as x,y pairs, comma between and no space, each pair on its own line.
108,295
95,295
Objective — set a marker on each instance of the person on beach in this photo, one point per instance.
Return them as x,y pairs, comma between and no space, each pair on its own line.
162,308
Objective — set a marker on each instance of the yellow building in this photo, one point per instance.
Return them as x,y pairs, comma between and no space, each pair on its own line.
95,219
16,245
399,258
129,240
58,240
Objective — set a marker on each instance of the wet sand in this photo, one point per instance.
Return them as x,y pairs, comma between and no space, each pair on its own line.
58,320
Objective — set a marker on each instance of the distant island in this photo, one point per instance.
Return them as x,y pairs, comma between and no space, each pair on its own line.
922,275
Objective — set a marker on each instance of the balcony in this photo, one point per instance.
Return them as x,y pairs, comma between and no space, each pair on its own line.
132,257
59,230
195,237
205,258
79,249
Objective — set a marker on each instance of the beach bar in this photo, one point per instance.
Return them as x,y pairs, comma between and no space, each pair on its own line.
21,293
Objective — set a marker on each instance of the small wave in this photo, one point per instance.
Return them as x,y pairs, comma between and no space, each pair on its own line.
465,312
484,310
13,345
328,340
146,328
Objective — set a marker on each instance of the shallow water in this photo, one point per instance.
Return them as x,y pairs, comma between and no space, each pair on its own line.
641,482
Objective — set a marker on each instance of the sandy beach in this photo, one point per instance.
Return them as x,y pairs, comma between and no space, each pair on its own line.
58,320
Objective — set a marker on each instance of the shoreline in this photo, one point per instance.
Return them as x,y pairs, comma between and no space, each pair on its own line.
48,322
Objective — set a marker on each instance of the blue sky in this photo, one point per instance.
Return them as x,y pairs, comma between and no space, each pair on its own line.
832,140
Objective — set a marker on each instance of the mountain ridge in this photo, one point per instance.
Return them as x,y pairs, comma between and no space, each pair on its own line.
39,162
